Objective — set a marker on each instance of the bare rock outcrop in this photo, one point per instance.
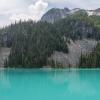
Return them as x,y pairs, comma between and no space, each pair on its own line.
75,50
4,53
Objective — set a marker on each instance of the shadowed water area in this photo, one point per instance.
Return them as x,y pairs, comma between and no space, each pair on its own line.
49,84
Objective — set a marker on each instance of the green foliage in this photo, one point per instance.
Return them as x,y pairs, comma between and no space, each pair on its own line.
91,60
32,43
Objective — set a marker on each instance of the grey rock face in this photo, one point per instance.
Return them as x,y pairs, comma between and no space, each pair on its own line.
75,50
4,53
96,12
55,14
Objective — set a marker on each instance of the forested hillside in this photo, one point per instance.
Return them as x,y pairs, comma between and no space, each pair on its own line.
91,60
33,43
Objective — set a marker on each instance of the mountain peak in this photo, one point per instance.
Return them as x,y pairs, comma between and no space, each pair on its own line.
97,10
55,14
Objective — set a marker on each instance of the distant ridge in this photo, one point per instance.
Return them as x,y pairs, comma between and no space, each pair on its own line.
56,14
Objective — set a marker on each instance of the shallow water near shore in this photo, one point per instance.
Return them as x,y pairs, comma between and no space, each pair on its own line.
50,84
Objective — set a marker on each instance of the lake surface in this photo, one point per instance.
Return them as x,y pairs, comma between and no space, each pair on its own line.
50,85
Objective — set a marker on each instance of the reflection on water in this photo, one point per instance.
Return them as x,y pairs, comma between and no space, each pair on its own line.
74,82
79,86
59,76
4,79
49,84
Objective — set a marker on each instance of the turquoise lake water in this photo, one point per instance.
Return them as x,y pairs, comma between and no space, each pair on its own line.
50,85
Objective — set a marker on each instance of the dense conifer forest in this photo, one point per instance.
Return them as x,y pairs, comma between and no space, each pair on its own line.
32,43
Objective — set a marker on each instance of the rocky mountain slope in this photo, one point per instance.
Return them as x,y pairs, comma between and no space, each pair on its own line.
56,14
4,53
34,45
76,49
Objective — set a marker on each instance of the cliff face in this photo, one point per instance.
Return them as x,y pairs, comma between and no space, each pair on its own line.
4,53
62,42
72,58
75,50
55,14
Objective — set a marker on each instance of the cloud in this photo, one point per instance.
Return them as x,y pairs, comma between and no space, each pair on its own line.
11,10
86,4
9,5
33,12
21,16
38,6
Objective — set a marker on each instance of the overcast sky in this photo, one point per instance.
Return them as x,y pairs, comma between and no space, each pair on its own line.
14,10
